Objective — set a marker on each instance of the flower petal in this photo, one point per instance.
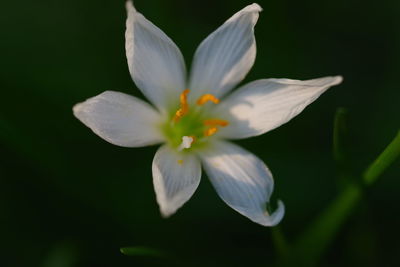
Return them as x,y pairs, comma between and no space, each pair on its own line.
263,105
225,57
155,62
120,119
242,181
175,177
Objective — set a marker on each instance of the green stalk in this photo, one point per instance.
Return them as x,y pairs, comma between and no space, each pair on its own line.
280,243
314,241
311,245
339,133
385,159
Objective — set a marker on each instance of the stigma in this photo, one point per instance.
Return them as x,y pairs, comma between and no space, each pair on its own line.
187,142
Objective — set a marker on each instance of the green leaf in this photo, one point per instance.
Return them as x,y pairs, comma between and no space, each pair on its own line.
143,251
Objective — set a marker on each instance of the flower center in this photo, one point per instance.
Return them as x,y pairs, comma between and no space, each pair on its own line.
192,126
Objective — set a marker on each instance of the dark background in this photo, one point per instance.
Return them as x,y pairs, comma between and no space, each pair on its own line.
68,198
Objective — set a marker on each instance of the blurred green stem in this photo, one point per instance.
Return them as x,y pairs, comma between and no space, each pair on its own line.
339,136
340,142
385,159
312,243
281,246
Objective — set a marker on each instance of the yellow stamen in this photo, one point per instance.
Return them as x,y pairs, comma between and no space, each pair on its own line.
215,122
184,109
180,161
210,131
205,98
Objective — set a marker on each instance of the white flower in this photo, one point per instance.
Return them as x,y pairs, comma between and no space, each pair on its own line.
189,118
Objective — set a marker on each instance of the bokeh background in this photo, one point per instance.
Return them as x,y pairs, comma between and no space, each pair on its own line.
68,198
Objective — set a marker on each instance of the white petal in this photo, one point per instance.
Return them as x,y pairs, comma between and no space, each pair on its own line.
120,119
175,176
225,57
242,181
263,105
155,62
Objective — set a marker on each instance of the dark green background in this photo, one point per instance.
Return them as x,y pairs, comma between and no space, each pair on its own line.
68,198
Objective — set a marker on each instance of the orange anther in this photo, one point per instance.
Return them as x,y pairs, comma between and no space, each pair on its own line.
207,97
184,106
210,131
183,96
214,122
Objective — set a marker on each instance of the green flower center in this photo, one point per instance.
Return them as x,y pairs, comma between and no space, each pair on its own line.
191,127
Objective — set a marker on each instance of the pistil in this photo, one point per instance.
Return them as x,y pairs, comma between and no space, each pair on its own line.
186,143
